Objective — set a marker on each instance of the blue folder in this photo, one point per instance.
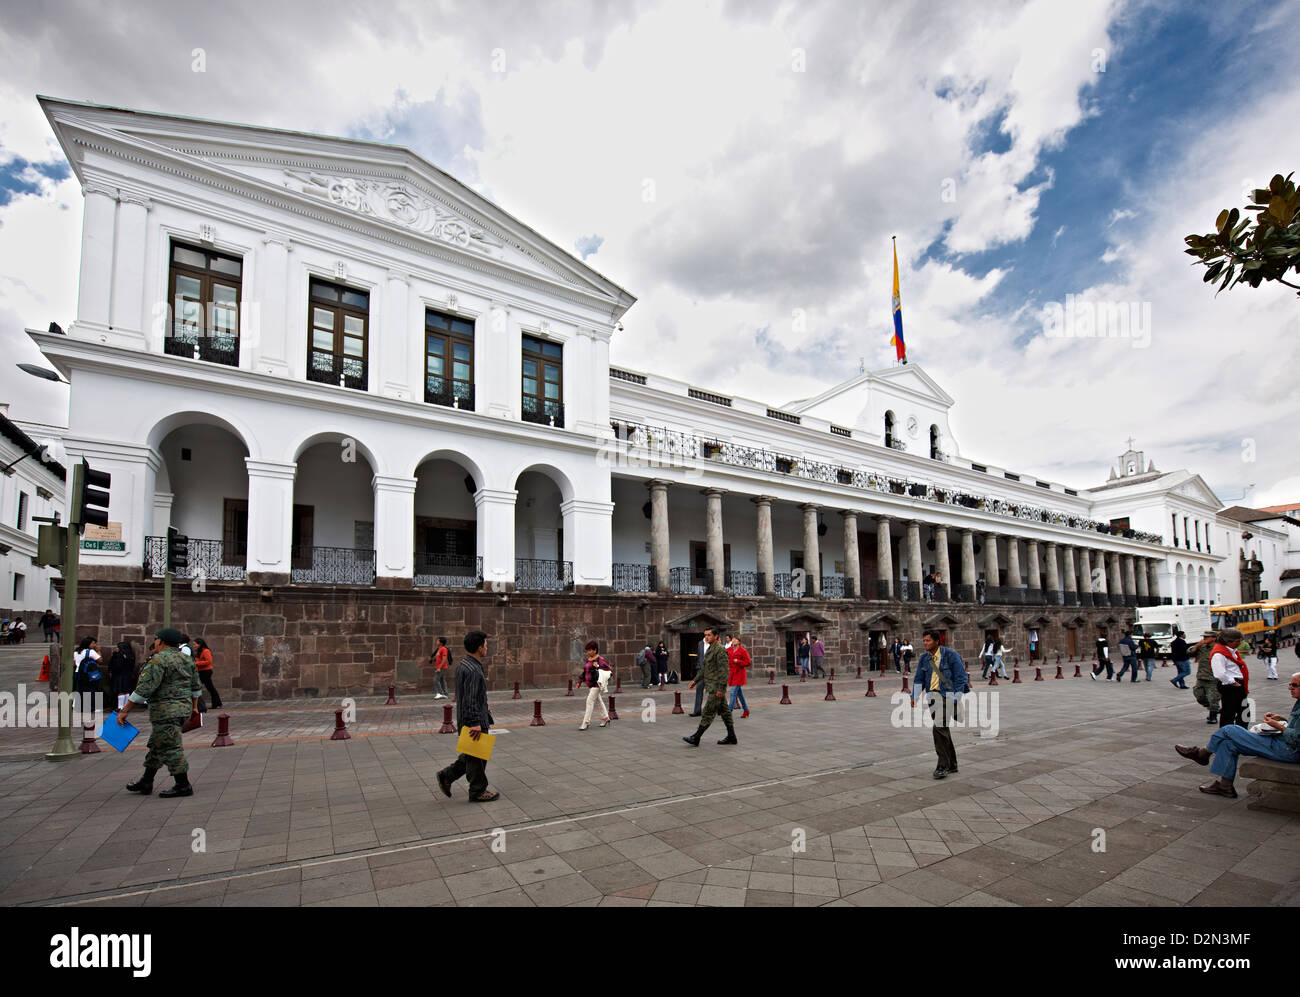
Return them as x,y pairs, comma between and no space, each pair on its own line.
119,737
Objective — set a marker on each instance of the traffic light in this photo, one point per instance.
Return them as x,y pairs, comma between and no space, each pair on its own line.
178,551
90,502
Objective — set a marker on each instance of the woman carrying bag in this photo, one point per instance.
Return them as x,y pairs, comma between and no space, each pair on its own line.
203,664
592,679
121,672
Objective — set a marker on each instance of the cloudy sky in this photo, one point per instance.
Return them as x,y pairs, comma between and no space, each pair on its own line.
741,168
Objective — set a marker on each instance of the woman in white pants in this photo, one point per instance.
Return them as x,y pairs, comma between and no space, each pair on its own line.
591,669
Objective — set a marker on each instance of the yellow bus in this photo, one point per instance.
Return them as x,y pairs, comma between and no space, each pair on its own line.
1281,616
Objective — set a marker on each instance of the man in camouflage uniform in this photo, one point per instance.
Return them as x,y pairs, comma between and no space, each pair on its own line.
714,673
1206,689
170,686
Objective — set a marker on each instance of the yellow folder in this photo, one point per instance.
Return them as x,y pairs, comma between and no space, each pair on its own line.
482,748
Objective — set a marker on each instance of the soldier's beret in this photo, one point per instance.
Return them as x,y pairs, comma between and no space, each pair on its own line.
170,636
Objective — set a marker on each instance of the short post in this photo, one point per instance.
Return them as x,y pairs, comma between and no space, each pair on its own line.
447,726
223,739
871,689
537,720
516,695
1038,674
677,703
785,695
570,692
89,746
613,713
392,697
340,728
1015,672
830,693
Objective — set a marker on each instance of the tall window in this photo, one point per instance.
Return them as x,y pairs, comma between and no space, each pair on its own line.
22,510
889,429
543,382
234,531
934,442
336,353
204,293
448,360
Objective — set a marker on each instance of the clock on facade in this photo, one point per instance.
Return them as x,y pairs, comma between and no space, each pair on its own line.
912,425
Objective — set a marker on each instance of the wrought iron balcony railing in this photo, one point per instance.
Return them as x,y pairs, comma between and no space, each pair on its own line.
742,583
452,394
448,571
213,349
633,577
346,372
680,582
544,413
543,576
212,560
333,566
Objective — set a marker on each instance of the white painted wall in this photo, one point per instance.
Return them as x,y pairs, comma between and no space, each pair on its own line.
341,494
215,472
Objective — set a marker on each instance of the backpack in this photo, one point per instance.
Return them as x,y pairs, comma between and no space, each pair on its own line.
672,678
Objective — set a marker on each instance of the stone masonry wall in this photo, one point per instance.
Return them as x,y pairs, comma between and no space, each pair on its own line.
307,641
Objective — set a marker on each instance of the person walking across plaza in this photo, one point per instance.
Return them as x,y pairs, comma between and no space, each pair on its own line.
661,663
896,652
591,678
1230,742
738,662
1233,676
1128,653
713,678
472,712
645,661
121,672
908,652
818,654
441,658
1178,655
169,685
1147,650
203,665
1206,690
801,655
1268,651
700,652
998,651
47,626
1103,659
941,677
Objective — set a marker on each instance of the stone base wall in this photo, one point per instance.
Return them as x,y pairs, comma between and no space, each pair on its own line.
307,641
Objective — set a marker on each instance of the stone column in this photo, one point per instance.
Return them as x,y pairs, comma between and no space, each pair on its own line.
659,557
884,560
941,552
270,322
1053,592
98,235
495,513
1100,586
1085,577
394,531
1014,592
991,568
811,552
914,572
1115,581
270,521
589,543
713,558
1034,594
1139,566
852,565
1130,583
766,564
1154,583
1070,591
968,574
128,270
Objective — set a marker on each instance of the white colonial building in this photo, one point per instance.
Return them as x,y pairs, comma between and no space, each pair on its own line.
32,487
332,364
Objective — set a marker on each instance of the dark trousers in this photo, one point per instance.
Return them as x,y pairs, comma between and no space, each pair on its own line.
1231,700
206,678
645,674
474,768
1110,671
1129,662
440,681
943,746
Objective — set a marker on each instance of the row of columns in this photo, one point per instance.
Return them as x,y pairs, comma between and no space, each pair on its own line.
1127,580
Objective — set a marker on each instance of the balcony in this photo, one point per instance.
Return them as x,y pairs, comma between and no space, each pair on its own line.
447,571
543,413
742,583
209,560
543,576
346,372
633,578
681,582
332,566
440,391
212,349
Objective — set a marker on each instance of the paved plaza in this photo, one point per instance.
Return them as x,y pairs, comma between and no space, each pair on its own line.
1078,800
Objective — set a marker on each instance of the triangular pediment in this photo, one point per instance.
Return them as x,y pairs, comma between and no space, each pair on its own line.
996,621
701,619
944,621
1196,489
906,380
361,183
873,622
803,619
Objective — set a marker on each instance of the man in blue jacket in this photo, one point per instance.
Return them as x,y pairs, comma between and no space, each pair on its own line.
943,685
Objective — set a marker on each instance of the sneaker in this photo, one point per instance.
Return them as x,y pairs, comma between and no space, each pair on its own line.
1093,676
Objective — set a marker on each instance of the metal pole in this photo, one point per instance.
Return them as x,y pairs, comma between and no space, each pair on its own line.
167,598
63,746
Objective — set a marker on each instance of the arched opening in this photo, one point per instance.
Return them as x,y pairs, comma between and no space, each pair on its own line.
934,442
1180,584
446,524
543,548
1214,588
202,490
889,428
333,514
1201,587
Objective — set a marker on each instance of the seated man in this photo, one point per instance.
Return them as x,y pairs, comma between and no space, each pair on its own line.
1232,741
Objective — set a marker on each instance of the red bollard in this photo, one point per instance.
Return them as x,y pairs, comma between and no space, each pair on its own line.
223,739
677,703
613,713
1038,675
859,671
871,689
993,676
661,686
392,698
1058,657
771,676
830,693
1058,672
570,692
832,674
340,728
89,746
803,676
785,696
1077,673
905,687
618,689
1015,672
537,720
447,726
516,695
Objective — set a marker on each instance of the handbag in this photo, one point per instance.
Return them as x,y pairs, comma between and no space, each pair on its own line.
193,723
602,678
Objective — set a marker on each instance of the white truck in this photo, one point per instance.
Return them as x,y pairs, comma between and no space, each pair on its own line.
1159,623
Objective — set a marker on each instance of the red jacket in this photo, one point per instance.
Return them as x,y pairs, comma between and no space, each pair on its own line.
740,661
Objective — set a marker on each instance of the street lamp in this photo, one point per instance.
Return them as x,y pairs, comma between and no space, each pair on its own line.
41,372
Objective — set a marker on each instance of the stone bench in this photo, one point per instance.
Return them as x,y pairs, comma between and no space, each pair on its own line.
1276,785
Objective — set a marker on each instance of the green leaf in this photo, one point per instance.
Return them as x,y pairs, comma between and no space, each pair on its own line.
1222,220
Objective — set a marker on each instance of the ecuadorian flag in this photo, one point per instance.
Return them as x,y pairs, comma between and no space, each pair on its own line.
897,339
